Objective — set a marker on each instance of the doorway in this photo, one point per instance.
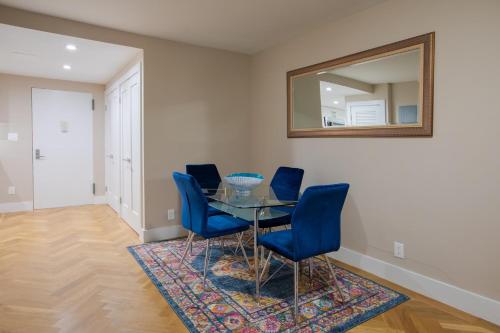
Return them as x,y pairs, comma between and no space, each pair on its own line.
62,148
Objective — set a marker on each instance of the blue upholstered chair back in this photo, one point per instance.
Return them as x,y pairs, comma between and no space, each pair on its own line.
286,183
206,175
316,220
194,203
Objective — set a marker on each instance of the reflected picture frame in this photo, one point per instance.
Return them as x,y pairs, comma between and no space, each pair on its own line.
425,43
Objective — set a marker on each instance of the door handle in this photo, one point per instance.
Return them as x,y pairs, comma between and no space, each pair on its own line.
110,156
127,160
37,155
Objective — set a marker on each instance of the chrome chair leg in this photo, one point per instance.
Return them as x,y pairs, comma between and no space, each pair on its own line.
262,255
189,242
265,264
295,291
207,260
240,244
223,244
332,273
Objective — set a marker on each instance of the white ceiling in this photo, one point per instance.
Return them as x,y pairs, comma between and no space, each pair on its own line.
401,67
335,96
246,26
42,54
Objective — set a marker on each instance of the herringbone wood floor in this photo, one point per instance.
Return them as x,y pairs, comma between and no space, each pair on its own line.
68,270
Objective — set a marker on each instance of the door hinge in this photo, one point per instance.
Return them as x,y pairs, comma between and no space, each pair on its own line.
106,188
120,200
93,188
93,104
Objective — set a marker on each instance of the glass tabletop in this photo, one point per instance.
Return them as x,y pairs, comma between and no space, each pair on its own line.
264,196
248,214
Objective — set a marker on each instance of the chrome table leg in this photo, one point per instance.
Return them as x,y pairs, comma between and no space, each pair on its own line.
256,253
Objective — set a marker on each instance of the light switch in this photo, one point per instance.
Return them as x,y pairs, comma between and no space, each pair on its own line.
12,136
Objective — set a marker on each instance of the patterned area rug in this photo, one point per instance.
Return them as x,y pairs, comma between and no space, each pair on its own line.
227,304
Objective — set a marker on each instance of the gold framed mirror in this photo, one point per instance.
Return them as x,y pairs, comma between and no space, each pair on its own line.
382,92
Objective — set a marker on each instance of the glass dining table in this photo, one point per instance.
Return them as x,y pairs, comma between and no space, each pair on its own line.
262,203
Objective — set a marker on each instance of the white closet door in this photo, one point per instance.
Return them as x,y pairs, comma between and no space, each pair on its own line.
130,95
113,149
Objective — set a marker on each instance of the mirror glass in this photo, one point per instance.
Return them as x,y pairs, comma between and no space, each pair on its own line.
384,91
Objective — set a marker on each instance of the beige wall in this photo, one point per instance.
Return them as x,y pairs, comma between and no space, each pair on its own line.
196,105
16,166
404,93
440,196
307,102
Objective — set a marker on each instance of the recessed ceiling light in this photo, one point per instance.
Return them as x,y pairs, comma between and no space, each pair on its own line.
328,88
71,47
335,102
67,67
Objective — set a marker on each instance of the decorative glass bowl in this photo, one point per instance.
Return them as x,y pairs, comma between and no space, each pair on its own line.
244,183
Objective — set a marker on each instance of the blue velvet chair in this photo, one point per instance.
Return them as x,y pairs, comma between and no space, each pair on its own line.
286,185
315,230
196,220
208,177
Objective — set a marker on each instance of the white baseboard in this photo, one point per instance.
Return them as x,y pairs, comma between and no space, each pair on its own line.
162,233
23,206
11,207
100,200
475,304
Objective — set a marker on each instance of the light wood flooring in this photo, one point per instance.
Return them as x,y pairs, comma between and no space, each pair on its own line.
68,270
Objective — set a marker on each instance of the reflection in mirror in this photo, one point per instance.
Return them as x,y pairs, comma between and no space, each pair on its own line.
378,92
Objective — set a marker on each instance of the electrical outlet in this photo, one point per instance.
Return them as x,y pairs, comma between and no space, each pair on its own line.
171,214
11,190
399,250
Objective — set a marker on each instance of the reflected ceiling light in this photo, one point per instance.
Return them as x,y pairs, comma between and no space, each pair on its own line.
67,67
319,73
70,47
328,88
335,102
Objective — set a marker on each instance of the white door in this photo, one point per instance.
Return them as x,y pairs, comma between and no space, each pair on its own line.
62,148
366,113
130,95
113,149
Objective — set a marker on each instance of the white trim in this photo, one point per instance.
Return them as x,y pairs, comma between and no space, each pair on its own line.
459,298
100,200
11,207
137,67
162,233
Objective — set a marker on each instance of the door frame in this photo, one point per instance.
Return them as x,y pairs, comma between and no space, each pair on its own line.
33,138
136,68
